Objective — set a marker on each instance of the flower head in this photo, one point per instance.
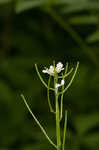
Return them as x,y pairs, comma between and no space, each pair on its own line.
51,71
59,67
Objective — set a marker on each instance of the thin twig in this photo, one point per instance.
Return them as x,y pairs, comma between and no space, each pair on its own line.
71,79
38,123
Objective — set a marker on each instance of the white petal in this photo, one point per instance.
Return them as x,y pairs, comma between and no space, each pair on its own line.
62,69
57,85
62,82
58,69
51,69
44,71
60,65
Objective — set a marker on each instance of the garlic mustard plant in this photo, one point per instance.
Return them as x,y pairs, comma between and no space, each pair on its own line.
58,74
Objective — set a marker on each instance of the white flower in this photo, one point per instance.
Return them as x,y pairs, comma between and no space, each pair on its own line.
59,67
45,71
62,82
58,85
50,71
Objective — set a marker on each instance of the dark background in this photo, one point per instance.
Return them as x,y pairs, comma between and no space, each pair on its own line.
40,31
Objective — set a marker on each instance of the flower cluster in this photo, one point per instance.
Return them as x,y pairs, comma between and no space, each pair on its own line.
51,71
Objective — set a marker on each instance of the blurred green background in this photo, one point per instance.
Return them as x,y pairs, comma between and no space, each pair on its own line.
40,31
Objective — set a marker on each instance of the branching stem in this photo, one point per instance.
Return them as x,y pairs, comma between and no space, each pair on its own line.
58,109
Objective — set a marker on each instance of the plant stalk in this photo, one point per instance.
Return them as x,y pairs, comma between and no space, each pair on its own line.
58,136
58,124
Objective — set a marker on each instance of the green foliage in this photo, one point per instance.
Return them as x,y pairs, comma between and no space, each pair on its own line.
94,37
4,1
84,20
39,31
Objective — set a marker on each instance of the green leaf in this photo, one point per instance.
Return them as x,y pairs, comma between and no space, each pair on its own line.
5,1
81,5
93,37
25,5
85,19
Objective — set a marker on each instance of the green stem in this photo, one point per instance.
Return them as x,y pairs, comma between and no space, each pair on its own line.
67,74
69,84
57,112
58,125
49,102
61,113
63,77
64,134
38,123
66,68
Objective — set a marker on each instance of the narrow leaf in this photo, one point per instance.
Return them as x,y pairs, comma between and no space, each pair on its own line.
93,37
